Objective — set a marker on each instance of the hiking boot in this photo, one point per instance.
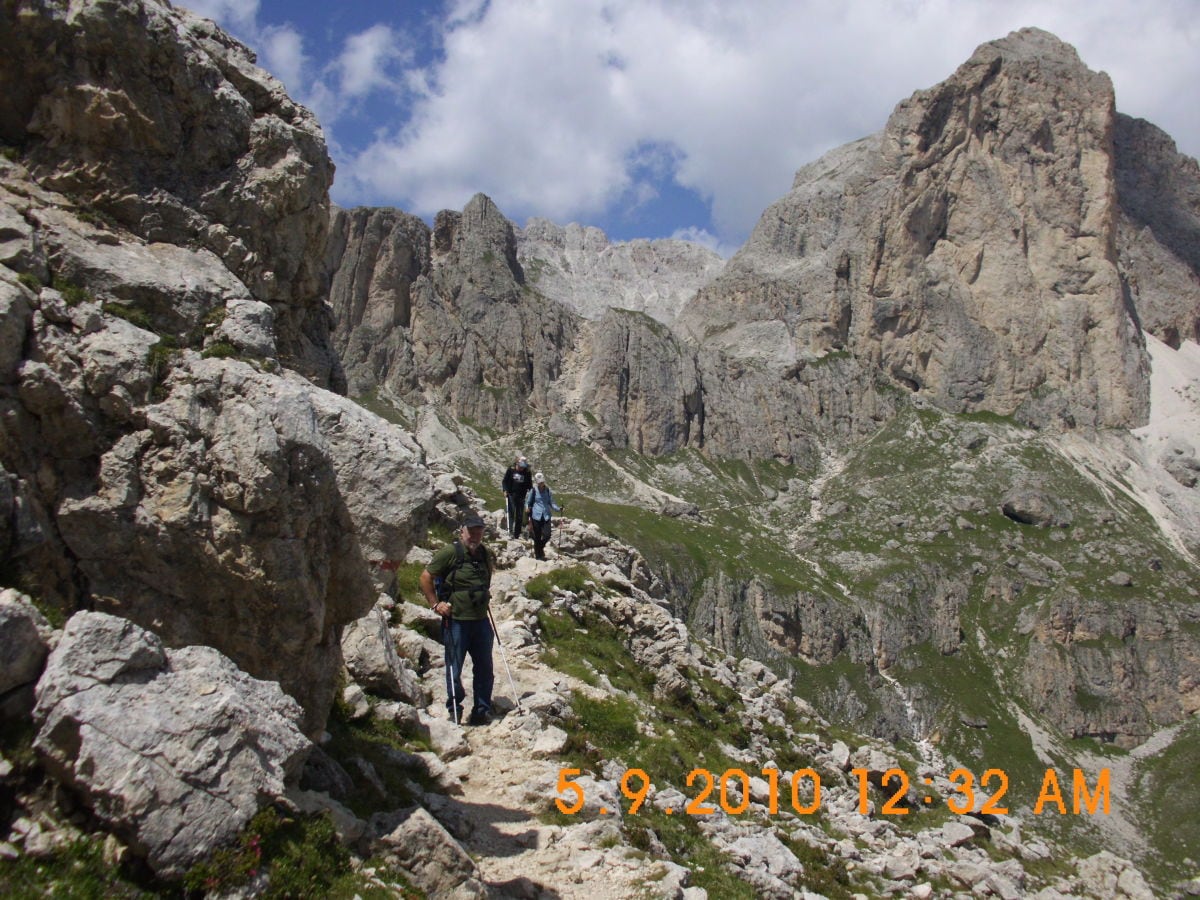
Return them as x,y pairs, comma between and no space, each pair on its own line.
457,714
479,717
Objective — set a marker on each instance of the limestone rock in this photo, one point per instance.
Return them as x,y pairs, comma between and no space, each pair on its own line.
25,641
248,485
579,267
373,662
889,248
444,315
438,864
1031,506
175,750
1158,190
162,122
641,386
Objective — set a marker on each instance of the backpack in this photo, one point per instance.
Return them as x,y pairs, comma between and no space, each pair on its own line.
444,586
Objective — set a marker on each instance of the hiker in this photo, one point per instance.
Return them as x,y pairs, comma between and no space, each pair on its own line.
457,584
541,508
516,486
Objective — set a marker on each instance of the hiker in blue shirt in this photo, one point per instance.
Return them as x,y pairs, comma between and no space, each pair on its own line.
541,508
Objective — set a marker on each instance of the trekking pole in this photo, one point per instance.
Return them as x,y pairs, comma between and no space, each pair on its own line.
504,659
451,681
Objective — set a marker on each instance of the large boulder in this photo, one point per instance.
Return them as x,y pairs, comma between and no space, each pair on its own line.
242,515
175,750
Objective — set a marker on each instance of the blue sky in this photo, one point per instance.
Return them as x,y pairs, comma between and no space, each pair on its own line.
657,118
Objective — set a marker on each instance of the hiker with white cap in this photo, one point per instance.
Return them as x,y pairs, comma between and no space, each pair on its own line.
516,486
541,508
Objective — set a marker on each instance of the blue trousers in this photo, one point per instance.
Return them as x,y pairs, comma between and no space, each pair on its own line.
462,639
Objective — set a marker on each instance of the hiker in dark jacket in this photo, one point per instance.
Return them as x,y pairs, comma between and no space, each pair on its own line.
516,486
541,508
457,584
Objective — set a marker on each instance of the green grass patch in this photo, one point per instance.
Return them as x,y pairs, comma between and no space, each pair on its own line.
688,732
30,281
72,294
573,578
301,856
408,583
823,874
221,350
77,870
132,314
1169,804
689,847
159,357
376,741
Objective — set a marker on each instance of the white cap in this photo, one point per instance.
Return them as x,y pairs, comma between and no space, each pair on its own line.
539,478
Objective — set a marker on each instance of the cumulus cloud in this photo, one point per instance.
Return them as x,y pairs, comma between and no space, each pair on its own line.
366,60
282,51
545,106
596,110
240,16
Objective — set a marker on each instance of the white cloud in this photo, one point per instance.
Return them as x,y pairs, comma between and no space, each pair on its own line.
578,109
366,60
282,51
239,16
546,105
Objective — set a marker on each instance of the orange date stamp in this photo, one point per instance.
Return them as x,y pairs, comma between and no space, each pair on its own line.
731,792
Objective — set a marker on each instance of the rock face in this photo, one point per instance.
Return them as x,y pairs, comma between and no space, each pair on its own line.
1158,232
579,267
909,248
161,456
175,750
641,386
154,117
444,316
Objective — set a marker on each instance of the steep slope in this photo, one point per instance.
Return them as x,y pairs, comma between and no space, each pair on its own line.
160,121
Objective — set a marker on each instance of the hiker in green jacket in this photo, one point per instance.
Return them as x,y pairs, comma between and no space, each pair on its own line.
457,584
541,507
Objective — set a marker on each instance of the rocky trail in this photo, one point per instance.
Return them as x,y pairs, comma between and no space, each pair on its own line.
508,770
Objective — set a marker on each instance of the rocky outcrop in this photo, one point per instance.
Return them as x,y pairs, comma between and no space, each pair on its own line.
641,388
445,316
1158,235
156,119
579,267
908,249
374,257
161,456
1112,674
174,750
